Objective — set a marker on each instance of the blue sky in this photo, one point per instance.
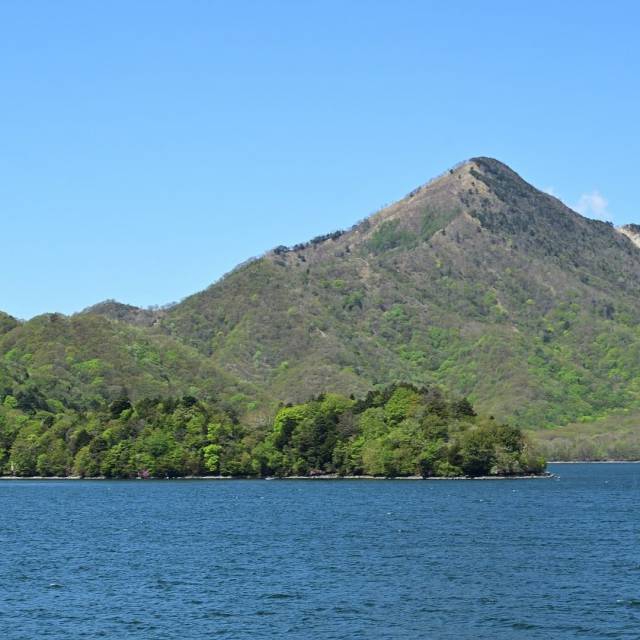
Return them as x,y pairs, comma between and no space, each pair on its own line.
148,147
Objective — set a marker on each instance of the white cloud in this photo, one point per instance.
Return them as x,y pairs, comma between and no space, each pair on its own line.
593,205
551,191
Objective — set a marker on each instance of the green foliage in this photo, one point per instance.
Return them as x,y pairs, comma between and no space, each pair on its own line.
398,431
390,235
7,323
434,220
53,362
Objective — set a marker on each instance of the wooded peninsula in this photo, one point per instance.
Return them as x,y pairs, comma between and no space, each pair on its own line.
400,431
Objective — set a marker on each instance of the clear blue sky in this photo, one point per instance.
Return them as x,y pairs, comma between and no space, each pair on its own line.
148,147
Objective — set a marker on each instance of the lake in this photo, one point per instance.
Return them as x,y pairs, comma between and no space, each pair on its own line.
544,558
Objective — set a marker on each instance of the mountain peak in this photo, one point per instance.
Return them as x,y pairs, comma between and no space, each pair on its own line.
475,188
491,164
494,173
476,174
472,186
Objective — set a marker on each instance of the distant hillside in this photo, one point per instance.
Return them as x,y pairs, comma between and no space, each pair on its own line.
124,313
615,437
53,361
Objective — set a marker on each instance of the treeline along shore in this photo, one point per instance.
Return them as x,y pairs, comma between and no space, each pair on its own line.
400,431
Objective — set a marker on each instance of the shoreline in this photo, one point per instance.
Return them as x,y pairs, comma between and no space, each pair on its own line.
331,476
539,476
593,462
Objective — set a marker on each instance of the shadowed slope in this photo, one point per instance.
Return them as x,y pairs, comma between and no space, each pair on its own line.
7,322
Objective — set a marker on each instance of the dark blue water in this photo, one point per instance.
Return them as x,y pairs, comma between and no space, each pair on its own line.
323,559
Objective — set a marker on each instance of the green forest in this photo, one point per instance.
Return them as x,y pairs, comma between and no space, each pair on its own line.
400,431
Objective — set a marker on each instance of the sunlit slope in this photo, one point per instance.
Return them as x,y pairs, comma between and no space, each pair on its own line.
85,360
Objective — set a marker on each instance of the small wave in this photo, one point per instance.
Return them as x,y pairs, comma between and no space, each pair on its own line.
633,603
346,610
280,596
524,626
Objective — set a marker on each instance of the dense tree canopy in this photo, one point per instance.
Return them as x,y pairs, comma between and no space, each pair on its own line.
399,431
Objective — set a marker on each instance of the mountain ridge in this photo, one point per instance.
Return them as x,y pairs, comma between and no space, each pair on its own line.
123,312
475,281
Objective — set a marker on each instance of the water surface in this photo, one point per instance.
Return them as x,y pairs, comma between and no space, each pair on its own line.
328,559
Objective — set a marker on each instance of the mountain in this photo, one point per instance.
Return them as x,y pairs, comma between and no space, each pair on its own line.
476,281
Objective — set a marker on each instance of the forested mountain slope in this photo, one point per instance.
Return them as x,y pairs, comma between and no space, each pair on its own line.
477,281
53,361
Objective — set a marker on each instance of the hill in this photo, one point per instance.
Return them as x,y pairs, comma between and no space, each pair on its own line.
114,310
54,362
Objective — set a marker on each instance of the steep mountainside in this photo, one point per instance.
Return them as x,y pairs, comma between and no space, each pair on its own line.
477,281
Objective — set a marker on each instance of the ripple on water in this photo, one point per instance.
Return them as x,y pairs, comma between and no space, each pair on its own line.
384,560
